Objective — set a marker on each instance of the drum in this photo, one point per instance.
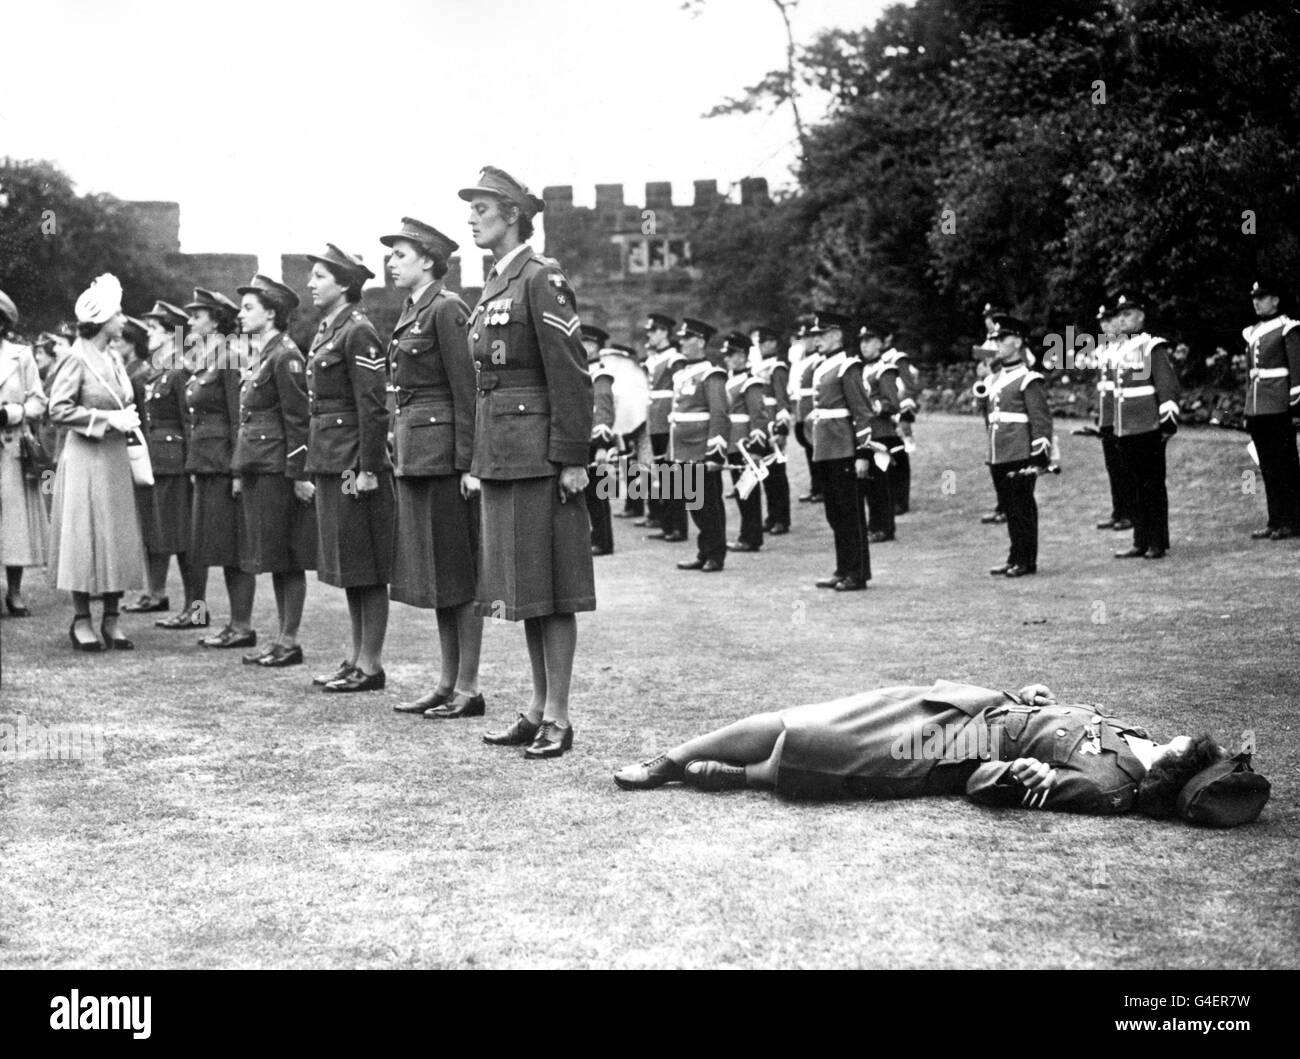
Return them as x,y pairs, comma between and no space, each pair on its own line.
631,392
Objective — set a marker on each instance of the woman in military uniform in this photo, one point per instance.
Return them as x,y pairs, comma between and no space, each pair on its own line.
532,431
347,457
166,526
212,407
279,531
132,348
433,441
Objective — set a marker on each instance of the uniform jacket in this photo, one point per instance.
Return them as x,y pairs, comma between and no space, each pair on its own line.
1018,416
1106,351
700,420
164,420
138,371
805,392
20,390
602,415
909,379
347,397
433,373
1096,770
774,373
746,410
1274,349
661,367
841,415
88,384
1146,388
885,388
534,391
273,417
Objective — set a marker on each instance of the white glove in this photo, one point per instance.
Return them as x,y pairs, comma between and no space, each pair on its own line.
123,420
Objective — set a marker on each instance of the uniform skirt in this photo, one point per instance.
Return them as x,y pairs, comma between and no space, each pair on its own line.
96,545
24,528
354,532
849,747
536,552
279,533
168,528
436,565
216,523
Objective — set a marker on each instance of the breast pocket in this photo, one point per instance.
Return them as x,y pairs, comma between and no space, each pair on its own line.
166,452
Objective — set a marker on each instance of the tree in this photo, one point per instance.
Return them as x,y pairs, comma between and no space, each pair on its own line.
53,242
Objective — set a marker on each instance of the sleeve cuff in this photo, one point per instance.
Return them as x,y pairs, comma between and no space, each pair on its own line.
1169,410
14,414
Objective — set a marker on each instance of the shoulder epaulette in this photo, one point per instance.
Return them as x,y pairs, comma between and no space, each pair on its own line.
1030,376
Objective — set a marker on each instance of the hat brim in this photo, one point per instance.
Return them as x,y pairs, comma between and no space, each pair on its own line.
468,194
362,273
283,301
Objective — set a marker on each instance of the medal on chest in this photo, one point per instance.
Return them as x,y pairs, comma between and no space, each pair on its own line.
498,312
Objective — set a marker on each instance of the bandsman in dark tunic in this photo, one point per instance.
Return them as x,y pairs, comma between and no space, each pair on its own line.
532,440
841,436
603,440
804,394
1146,417
166,530
1272,402
1121,486
216,520
701,432
666,514
279,533
885,388
1019,424
347,458
433,440
901,444
749,428
773,370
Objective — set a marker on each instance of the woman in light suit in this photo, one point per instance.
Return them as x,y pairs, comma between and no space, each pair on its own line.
24,530
97,549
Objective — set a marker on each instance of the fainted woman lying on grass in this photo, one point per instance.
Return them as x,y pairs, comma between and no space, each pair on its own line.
998,748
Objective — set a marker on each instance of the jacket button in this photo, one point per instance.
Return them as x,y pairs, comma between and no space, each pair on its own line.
522,409
475,336
433,419
340,422
1060,733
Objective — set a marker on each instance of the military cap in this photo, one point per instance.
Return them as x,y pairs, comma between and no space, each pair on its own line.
133,329
1004,325
872,330
1265,288
494,181
592,333
1129,300
696,328
351,267
276,293
618,347
657,320
45,340
1104,311
735,342
212,301
66,330
763,333
422,235
9,309
167,313
992,309
827,320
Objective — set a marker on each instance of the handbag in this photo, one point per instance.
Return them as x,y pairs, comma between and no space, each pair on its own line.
33,455
136,449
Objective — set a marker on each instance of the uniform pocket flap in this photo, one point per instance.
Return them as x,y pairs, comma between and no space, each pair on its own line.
522,403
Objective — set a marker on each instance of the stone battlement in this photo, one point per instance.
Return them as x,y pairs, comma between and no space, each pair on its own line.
658,196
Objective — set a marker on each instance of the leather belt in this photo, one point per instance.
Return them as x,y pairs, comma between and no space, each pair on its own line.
507,378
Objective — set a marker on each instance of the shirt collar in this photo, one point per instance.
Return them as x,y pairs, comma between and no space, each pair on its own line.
503,263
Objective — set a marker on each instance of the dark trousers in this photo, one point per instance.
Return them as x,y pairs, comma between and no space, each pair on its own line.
668,511
816,471
1143,457
1121,484
1279,463
711,517
847,515
1016,498
997,490
602,525
879,489
751,509
631,442
776,487
900,478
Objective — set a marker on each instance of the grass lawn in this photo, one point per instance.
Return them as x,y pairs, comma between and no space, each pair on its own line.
241,818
